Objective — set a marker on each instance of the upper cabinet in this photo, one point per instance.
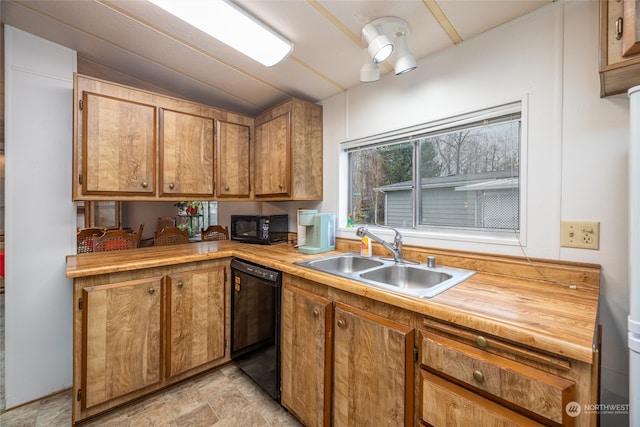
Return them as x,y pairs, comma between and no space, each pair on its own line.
619,46
288,152
186,142
131,144
232,167
118,145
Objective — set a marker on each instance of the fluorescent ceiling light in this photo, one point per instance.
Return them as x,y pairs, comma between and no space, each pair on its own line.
233,26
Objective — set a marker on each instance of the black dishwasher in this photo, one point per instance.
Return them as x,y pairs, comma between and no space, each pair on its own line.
255,323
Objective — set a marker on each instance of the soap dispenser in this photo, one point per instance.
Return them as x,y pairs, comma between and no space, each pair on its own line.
365,246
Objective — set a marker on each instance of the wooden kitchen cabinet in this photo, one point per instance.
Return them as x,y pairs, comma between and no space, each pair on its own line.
186,151
233,162
307,321
138,331
477,376
195,318
446,404
121,334
118,144
130,144
365,377
288,152
372,369
619,46
273,151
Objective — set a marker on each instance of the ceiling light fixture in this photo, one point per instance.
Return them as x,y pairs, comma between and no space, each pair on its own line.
369,71
376,36
233,26
405,61
378,44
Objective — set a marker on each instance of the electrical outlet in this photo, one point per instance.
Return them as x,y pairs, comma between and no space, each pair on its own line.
580,234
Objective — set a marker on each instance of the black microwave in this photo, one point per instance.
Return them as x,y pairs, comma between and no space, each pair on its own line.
260,229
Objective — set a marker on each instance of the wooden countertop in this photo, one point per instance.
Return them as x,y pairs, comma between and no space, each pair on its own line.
547,305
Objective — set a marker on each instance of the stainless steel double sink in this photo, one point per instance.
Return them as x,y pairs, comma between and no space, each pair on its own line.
416,280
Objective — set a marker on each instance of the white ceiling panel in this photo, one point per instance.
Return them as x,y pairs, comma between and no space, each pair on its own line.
136,43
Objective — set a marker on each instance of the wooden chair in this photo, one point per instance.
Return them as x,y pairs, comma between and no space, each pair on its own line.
215,232
114,240
165,221
171,236
84,238
138,235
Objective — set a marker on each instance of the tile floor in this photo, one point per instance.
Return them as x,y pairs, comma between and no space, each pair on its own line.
225,397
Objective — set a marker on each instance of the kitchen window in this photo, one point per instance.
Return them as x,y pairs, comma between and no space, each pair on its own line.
460,173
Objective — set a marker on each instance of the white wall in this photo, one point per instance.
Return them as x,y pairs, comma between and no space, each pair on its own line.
40,216
575,145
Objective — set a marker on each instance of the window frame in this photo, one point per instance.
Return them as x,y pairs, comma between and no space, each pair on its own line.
467,234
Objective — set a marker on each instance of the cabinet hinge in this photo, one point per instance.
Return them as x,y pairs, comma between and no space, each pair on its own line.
79,395
79,303
80,179
415,353
80,104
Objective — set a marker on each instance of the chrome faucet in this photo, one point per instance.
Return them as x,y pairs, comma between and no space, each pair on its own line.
395,249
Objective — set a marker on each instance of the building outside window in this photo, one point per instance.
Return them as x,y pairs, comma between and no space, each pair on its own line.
458,173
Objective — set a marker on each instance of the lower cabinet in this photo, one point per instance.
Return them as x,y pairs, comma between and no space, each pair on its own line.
469,378
342,365
350,361
372,370
307,322
137,332
119,318
195,319
446,404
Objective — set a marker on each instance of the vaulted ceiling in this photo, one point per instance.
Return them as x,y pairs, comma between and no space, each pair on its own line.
134,42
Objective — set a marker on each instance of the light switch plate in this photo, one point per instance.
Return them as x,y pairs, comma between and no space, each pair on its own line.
580,234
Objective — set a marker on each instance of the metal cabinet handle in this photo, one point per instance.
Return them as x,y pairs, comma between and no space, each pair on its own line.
226,188
152,290
341,323
316,313
180,284
478,376
481,341
171,186
145,184
619,28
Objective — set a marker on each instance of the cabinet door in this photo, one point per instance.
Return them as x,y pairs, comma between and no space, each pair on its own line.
233,160
118,145
373,370
196,318
272,157
619,46
187,154
444,404
306,356
121,333
631,31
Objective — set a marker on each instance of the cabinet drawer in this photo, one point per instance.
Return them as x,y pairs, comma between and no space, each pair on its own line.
498,346
540,393
446,404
